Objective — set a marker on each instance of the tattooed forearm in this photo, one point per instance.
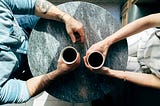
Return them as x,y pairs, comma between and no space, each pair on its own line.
43,6
47,10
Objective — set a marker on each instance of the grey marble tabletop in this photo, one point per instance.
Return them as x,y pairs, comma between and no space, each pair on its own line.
48,39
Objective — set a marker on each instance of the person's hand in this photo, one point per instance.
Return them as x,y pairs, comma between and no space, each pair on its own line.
63,68
74,28
104,70
101,46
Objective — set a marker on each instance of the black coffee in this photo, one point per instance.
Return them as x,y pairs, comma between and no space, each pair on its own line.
95,59
69,55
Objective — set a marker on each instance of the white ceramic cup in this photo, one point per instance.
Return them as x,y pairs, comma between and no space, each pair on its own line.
96,60
69,55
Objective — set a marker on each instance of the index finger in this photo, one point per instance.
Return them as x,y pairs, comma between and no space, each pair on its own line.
82,35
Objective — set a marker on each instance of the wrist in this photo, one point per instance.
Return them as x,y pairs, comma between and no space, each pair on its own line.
106,71
108,42
124,76
65,17
52,75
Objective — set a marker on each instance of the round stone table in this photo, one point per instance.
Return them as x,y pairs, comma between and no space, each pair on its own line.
49,37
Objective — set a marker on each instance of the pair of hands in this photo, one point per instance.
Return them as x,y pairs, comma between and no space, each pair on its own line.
63,68
73,26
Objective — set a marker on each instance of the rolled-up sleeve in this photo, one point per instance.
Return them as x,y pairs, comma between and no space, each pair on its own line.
14,91
22,6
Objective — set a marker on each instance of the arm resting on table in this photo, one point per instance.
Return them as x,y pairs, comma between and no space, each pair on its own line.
149,80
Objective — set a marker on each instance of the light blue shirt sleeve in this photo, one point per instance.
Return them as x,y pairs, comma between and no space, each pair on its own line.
22,6
14,91
11,90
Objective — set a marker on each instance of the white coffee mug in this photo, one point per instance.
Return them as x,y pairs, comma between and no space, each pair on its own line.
69,55
96,60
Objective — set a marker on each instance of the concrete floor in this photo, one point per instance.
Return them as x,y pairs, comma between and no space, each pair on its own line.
44,99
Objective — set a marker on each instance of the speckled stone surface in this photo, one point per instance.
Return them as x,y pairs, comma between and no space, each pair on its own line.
48,39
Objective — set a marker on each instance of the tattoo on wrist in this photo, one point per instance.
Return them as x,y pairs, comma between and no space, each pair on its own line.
61,18
43,6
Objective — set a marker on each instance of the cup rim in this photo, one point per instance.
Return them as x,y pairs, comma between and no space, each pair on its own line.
99,65
67,47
